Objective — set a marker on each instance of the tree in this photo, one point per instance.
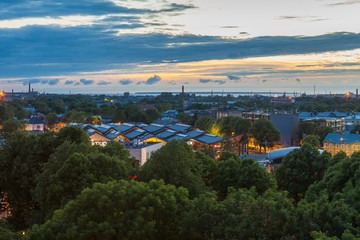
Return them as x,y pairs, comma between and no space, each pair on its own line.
300,168
119,116
340,181
206,167
230,126
6,234
312,140
323,132
265,133
119,210
306,129
139,116
6,112
21,162
153,114
240,173
186,118
246,215
63,182
51,118
320,216
11,126
73,134
174,163
205,124
74,116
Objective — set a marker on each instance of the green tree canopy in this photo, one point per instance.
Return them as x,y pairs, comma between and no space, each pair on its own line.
300,168
51,118
76,173
240,173
205,123
265,133
174,163
119,210
73,134
21,162
313,140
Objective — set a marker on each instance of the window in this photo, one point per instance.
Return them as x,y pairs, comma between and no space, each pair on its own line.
337,145
342,145
330,144
325,145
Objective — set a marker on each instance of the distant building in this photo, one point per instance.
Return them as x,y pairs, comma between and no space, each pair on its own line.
282,100
336,142
254,116
337,123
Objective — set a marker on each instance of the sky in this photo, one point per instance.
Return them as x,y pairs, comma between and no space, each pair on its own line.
113,46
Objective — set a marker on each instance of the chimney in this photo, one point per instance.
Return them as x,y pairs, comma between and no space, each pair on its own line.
29,87
357,93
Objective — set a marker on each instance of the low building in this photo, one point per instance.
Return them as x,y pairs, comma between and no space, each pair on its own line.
336,142
35,125
337,123
142,152
355,119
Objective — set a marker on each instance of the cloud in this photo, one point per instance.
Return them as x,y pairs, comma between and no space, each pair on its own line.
139,83
42,81
152,80
304,18
350,2
220,82
233,77
86,82
129,26
103,83
298,80
34,55
125,82
229,27
173,83
205,80
174,7
53,82
23,8
264,81
69,82
12,9
77,84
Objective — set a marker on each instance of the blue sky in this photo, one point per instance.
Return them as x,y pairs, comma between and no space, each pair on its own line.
112,46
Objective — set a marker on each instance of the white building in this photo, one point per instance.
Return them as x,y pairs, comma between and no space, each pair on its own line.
142,152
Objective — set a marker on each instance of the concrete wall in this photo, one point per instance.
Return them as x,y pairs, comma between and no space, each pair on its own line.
287,124
142,154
